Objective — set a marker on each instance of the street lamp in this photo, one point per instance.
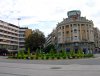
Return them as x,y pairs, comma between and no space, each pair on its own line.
18,31
18,21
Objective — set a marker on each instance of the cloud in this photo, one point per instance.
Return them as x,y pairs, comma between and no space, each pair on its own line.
45,26
45,14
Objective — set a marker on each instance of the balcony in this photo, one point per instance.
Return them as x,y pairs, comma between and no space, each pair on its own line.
9,39
7,34
8,30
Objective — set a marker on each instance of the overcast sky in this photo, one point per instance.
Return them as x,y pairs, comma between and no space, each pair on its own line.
45,14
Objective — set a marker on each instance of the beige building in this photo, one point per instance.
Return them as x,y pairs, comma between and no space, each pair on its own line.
28,32
24,32
75,32
8,36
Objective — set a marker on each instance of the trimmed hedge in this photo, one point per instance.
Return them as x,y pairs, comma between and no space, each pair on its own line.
51,55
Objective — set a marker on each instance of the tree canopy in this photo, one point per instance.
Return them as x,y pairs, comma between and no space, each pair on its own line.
35,40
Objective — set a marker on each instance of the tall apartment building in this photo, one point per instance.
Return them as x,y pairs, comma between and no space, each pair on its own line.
24,32
8,36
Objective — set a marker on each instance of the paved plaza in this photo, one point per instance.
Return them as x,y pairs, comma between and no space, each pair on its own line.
74,67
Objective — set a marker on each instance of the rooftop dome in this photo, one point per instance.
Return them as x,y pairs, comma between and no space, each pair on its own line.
74,13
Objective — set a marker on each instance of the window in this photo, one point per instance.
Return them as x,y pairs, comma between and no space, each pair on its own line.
75,37
71,25
62,27
58,39
74,24
67,32
75,30
67,26
59,33
82,24
21,35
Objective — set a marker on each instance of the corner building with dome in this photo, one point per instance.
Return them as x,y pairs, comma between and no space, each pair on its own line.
75,32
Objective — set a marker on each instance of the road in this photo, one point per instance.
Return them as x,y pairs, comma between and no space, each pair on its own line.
73,67
89,61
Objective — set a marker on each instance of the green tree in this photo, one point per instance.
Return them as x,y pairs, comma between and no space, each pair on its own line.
35,40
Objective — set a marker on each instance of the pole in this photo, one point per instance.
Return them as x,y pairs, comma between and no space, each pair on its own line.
18,31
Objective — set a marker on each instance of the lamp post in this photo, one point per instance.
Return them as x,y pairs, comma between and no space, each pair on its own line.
18,31
18,21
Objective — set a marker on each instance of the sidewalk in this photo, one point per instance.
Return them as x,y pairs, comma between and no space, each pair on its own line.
97,55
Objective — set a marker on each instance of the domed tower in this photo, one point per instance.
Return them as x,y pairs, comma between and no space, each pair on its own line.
75,31
74,14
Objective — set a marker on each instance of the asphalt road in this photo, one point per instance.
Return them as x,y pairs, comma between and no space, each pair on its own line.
87,61
20,69
72,67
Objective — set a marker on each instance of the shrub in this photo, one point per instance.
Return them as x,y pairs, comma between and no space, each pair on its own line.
64,55
37,57
29,54
72,54
37,53
88,55
51,54
80,54
19,55
25,56
68,55
22,54
52,57
32,57
42,56
47,56
58,57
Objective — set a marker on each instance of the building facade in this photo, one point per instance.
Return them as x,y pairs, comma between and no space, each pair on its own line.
52,38
8,36
24,32
75,32
97,39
